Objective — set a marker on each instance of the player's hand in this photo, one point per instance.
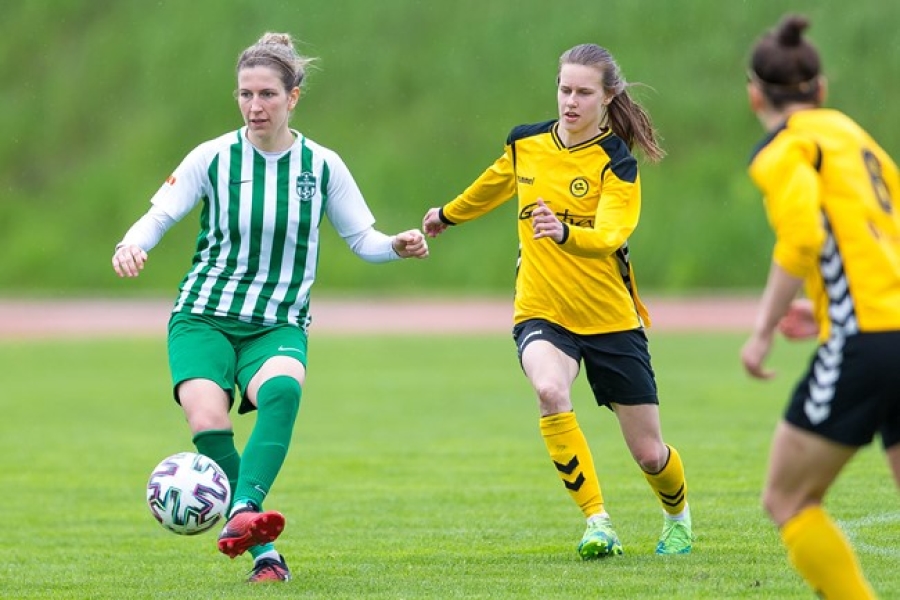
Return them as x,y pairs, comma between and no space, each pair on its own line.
799,323
432,224
754,354
545,223
128,261
410,244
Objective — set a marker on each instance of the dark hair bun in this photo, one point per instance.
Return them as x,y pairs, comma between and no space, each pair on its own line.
790,31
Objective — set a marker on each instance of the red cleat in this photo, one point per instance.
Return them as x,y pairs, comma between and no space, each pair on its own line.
269,569
247,529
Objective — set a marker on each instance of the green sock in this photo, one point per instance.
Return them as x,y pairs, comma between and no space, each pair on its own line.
277,403
218,444
257,551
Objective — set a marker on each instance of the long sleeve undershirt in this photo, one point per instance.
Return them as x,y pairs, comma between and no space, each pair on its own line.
370,244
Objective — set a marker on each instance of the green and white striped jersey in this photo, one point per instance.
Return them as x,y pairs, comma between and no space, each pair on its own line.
258,246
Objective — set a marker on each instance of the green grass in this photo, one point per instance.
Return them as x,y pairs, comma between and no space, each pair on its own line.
416,472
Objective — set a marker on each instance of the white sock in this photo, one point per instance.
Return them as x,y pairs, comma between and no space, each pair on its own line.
240,505
600,515
273,554
679,517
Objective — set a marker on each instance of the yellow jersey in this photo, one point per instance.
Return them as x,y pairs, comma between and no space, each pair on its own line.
831,198
586,283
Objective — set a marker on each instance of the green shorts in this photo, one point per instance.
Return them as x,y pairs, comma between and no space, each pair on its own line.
227,351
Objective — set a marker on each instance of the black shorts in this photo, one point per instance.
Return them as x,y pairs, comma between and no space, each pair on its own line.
617,365
851,390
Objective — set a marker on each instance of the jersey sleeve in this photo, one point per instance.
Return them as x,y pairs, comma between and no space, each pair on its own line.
494,186
346,208
618,212
184,188
787,177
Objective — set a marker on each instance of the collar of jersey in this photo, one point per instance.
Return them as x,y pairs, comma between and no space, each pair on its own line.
585,144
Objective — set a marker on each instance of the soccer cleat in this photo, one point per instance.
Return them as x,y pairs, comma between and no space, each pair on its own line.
247,528
599,540
269,569
676,537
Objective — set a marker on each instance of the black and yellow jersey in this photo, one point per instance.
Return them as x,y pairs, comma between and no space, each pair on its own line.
586,284
831,196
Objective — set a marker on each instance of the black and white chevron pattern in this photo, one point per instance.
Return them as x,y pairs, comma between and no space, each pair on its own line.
842,314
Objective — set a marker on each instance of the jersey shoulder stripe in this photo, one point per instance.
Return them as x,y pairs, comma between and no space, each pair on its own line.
621,161
524,131
761,145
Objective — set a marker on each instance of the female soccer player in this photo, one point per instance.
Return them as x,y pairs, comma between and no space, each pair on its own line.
831,197
242,313
576,298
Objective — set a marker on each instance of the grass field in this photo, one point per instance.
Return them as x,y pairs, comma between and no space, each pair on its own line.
417,471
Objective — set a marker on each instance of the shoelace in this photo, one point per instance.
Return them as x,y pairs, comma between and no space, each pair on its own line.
270,565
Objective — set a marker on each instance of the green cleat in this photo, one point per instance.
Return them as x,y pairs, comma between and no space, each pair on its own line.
599,540
676,537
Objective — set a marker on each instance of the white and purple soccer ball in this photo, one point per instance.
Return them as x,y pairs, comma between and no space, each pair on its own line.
188,493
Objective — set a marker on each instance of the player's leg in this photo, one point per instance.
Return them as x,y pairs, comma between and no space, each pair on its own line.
271,372
206,406
663,469
802,467
618,368
893,457
846,396
551,372
201,359
275,390
890,432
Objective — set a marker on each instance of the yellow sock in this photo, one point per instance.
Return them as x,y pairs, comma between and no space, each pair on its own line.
669,485
571,455
823,556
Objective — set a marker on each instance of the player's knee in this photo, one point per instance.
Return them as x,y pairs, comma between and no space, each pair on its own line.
651,458
280,395
552,394
781,506
205,405
200,422
206,415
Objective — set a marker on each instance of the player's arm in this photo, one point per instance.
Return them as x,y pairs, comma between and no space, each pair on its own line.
177,196
788,179
373,246
791,187
353,220
617,216
131,253
494,186
781,289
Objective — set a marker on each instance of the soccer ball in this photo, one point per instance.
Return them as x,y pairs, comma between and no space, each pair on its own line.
188,493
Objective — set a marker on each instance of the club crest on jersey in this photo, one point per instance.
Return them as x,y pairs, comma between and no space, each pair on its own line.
579,187
306,186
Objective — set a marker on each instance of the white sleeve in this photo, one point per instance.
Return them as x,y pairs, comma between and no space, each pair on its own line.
346,209
148,230
177,196
184,188
373,246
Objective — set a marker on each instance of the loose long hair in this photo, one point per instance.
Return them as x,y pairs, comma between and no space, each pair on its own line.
627,118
